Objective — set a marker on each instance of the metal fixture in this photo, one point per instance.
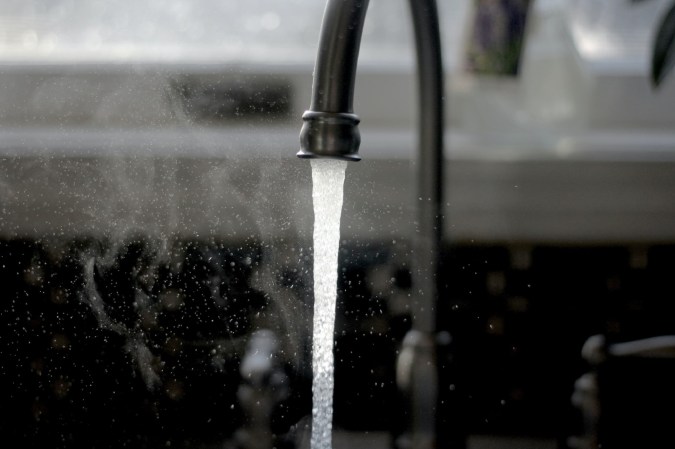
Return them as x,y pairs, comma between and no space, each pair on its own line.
330,130
264,385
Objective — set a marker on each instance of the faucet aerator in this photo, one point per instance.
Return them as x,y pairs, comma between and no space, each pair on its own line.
333,135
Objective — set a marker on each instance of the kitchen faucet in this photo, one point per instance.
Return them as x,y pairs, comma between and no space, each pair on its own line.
330,130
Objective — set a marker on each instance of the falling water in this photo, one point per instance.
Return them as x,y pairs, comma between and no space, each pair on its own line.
328,178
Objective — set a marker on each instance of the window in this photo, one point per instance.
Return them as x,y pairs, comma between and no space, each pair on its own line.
184,31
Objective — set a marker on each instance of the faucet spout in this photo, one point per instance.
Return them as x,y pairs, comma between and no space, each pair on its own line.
330,127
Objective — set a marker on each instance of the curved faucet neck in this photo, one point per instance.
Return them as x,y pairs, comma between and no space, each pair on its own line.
337,56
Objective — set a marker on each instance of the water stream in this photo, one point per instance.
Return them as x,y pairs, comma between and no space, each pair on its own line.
327,192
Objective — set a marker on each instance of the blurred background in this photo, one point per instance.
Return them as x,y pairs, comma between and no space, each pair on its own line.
155,225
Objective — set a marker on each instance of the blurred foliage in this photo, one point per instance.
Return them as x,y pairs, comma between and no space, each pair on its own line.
496,42
663,58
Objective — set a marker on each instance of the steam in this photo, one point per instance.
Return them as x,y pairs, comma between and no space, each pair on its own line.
136,345
117,159
95,301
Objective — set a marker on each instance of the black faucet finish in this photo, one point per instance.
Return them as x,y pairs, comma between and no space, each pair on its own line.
331,127
330,130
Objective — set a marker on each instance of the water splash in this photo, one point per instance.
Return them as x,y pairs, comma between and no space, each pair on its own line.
327,193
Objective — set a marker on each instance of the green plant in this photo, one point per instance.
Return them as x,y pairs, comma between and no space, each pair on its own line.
663,49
